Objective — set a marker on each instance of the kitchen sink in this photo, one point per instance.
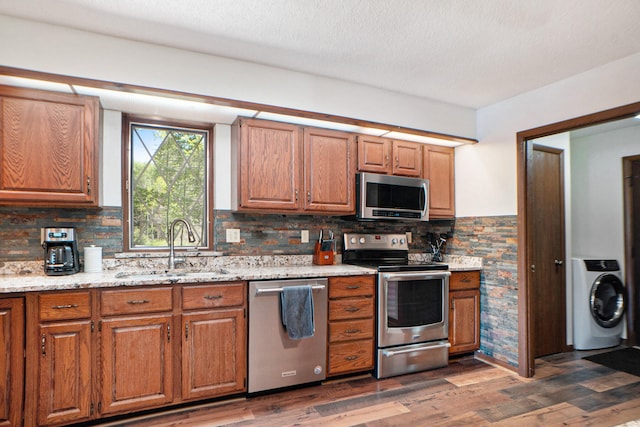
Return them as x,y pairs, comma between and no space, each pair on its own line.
168,274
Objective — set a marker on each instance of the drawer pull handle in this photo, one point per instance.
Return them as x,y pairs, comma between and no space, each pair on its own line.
352,309
62,307
352,331
213,296
138,301
350,358
353,287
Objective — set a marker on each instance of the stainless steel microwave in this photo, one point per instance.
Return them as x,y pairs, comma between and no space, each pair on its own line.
390,197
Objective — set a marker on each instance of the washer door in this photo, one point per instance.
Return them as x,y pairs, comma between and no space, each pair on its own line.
607,300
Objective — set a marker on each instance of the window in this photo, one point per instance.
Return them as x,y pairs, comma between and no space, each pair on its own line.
168,168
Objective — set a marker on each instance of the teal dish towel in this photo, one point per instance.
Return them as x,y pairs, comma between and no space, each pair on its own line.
296,304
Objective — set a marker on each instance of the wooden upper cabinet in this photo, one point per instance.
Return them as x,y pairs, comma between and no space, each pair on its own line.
48,148
407,158
439,170
329,183
268,158
280,167
390,157
374,154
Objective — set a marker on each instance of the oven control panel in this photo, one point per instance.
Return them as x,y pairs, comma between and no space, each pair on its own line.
355,241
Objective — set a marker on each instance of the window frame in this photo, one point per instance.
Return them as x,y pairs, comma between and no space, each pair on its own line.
127,121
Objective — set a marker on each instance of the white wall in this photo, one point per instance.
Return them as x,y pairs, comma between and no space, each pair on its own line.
598,192
43,47
486,172
111,165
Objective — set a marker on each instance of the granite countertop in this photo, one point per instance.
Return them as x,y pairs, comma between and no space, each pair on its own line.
105,279
29,277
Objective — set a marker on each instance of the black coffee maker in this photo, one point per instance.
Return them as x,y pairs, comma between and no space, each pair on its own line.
60,251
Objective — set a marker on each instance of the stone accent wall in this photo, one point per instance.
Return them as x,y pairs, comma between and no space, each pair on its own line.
494,239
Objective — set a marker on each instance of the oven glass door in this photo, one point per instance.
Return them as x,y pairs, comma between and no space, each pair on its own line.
412,307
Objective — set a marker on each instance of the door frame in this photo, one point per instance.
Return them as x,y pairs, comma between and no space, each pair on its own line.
526,360
633,294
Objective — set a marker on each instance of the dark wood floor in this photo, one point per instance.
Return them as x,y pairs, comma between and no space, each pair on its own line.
566,390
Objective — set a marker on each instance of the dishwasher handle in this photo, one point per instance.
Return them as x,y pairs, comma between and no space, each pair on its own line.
265,291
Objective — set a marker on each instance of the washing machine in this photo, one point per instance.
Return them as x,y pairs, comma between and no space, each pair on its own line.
599,298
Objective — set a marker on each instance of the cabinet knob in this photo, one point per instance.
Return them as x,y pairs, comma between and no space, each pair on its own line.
558,262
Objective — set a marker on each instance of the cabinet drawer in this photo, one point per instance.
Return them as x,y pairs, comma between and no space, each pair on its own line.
464,280
350,330
64,305
351,286
352,308
351,356
212,296
135,301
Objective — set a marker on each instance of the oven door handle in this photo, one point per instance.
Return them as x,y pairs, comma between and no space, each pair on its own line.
391,353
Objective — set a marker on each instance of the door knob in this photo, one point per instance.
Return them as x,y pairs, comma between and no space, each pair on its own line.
558,262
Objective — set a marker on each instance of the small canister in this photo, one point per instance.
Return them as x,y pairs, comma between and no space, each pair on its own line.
92,259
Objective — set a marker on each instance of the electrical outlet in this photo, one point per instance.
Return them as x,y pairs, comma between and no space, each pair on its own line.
233,235
304,236
409,236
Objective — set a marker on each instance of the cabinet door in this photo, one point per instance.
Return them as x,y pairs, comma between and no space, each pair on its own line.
329,171
374,154
439,170
64,384
48,148
136,363
407,158
269,165
213,353
11,361
464,321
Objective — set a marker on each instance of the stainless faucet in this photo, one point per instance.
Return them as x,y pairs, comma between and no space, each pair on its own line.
172,256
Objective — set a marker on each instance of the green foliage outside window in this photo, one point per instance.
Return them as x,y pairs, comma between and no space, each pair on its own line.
168,181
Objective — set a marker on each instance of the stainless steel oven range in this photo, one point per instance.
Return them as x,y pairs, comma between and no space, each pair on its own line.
412,304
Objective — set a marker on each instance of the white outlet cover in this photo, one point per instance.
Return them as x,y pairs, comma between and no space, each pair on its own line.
233,235
304,236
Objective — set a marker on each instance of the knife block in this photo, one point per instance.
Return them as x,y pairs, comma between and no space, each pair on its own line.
323,253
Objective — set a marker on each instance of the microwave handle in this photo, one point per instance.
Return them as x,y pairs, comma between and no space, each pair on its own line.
425,192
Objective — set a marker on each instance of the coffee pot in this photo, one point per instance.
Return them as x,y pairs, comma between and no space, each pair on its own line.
60,251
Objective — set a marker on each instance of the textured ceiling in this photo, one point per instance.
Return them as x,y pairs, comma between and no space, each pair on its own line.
465,52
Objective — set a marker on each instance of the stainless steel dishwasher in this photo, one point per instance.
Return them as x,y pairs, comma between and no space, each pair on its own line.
275,360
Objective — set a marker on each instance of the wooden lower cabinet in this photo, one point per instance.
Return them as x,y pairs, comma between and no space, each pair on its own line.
65,372
137,358
60,350
464,312
214,335
351,325
11,361
98,353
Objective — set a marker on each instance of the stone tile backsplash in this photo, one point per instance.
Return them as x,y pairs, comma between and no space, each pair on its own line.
493,239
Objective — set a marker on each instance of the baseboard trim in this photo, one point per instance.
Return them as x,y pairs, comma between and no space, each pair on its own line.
495,362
